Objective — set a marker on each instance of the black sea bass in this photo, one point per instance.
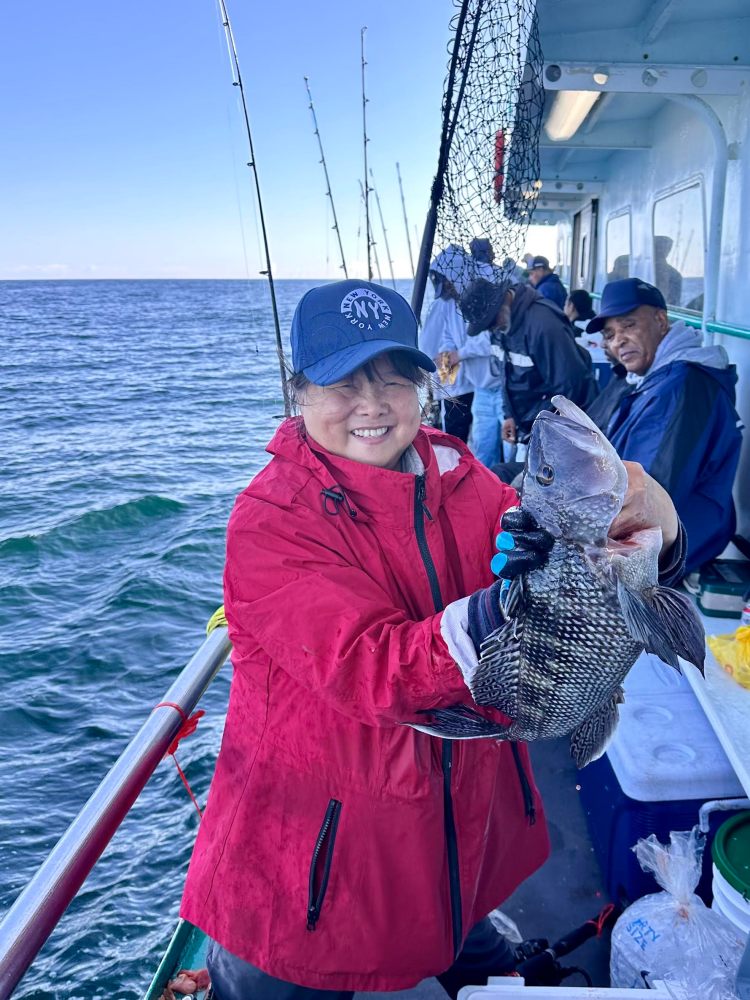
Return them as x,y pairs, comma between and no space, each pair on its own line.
575,627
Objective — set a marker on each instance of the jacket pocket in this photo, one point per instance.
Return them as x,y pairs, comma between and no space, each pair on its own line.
320,866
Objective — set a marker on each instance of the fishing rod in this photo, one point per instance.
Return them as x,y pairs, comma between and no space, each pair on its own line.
373,244
446,137
328,182
382,226
365,140
406,221
237,82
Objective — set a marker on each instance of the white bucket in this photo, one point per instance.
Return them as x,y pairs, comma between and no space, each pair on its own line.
730,902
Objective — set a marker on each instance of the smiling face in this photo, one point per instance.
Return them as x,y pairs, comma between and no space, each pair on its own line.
372,420
633,338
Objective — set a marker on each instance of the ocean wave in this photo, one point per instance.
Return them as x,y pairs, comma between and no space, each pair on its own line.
86,526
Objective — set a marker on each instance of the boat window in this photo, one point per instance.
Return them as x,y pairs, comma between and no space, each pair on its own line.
618,247
679,245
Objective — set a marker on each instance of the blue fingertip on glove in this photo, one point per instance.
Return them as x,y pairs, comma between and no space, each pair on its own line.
505,543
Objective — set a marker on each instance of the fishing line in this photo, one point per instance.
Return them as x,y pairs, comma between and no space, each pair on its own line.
221,42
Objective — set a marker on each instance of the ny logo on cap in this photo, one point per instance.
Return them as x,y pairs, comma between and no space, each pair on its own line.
366,310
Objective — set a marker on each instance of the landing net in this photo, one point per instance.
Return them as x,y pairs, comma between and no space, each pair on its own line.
492,114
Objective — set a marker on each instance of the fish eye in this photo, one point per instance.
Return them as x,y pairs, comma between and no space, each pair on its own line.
546,475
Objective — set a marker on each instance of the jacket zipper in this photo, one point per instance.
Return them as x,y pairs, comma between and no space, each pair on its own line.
528,798
327,838
421,511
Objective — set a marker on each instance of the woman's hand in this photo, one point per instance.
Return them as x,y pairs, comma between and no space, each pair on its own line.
647,505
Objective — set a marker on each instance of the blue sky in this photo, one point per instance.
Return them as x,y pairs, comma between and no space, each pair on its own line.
124,151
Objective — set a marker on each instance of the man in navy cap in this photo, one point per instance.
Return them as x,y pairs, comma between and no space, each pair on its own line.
679,421
546,282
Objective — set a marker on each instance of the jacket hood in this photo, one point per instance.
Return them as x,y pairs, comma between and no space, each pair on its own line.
684,343
524,296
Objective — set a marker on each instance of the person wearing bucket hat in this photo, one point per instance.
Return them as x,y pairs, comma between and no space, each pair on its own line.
679,418
478,358
343,848
536,346
443,336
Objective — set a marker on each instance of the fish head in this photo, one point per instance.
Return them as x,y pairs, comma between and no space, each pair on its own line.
574,482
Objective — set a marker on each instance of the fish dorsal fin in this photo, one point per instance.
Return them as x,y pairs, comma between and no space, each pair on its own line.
569,409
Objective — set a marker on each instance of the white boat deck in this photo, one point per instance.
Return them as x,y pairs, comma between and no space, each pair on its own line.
725,702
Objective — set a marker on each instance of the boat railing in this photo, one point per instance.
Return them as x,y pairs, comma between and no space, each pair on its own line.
695,320
34,915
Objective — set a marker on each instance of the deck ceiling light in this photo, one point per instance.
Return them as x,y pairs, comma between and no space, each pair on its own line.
600,76
699,78
569,109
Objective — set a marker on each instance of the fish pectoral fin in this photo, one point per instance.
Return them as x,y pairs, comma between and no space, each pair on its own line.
665,622
683,624
592,737
460,723
512,598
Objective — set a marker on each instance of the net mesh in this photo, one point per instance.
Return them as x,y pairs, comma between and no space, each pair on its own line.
492,113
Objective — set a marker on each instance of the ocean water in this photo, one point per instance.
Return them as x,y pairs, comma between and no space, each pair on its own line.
131,414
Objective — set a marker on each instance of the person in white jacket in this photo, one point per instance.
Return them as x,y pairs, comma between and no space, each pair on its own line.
443,335
477,363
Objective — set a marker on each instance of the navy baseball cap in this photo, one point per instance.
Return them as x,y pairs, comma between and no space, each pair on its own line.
622,297
340,326
539,262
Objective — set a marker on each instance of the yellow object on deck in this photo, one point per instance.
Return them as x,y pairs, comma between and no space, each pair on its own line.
218,618
732,652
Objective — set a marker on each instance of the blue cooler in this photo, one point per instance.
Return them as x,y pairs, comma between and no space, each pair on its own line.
662,765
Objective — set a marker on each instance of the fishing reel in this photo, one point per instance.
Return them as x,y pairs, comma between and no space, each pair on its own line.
538,960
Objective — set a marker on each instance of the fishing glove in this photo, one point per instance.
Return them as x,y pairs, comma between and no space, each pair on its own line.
522,546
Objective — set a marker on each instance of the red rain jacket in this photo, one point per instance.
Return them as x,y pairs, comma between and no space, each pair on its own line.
341,849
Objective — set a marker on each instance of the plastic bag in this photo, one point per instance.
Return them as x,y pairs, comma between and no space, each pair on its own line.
673,935
732,652
507,927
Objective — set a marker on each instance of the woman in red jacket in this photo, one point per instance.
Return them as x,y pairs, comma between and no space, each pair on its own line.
342,849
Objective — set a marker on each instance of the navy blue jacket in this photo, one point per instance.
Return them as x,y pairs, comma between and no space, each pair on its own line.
542,359
550,287
681,425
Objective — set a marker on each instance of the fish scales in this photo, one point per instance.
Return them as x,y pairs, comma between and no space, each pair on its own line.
575,626
574,648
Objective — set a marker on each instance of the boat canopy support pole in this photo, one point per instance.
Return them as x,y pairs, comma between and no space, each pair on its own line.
716,212
35,913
